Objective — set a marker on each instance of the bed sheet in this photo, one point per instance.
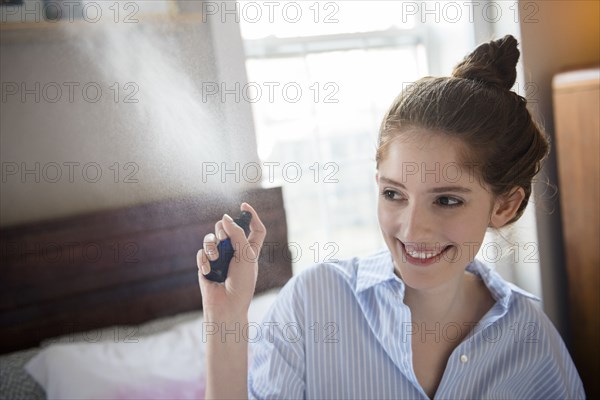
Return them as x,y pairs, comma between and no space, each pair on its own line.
60,363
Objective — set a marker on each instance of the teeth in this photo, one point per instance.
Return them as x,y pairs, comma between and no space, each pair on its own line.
422,255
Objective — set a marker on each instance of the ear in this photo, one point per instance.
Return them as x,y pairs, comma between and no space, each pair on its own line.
506,207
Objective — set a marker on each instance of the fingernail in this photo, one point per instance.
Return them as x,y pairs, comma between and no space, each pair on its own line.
210,238
228,218
221,234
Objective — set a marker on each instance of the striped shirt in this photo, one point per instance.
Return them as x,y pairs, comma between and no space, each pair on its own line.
342,331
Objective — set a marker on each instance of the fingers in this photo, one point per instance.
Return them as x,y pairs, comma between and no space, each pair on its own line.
225,228
208,252
219,231
210,246
233,231
202,262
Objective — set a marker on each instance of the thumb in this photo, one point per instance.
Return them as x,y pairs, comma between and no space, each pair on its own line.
258,232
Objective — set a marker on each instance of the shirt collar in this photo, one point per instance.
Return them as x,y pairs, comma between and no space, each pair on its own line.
500,289
375,269
379,268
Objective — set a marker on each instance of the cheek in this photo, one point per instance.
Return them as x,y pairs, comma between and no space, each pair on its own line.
381,215
470,230
465,228
385,216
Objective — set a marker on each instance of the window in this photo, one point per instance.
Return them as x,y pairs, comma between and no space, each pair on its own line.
318,93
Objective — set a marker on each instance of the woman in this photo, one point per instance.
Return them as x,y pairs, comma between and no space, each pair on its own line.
422,319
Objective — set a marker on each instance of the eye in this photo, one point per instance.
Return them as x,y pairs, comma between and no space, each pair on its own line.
391,195
447,201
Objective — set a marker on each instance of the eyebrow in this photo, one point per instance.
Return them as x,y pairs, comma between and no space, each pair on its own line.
443,189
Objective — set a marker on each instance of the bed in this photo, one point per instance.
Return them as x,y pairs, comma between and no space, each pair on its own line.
107,304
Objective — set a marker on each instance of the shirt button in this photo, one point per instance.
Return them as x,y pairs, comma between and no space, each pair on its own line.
464,359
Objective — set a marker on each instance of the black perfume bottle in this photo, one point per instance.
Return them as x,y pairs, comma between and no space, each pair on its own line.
220,266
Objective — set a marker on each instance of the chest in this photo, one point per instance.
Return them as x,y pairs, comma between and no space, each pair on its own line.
430,357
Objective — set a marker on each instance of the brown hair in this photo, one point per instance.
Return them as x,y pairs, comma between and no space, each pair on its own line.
476,106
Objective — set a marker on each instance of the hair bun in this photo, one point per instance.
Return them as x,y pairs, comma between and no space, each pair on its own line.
493,63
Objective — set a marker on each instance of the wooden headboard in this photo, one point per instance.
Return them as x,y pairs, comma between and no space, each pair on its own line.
123,266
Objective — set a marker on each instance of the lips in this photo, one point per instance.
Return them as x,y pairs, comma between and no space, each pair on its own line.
423,256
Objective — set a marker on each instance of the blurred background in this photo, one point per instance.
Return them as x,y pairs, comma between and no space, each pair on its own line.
107,104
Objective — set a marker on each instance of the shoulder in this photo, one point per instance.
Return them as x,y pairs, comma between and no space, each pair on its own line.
528,336
316,283
518,311
328,285
348,273
540,349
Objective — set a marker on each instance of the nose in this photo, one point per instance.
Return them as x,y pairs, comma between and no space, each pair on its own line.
417,224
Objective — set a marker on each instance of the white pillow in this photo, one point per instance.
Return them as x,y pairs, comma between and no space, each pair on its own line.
167,365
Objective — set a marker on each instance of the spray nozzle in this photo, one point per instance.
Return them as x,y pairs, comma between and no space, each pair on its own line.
244,221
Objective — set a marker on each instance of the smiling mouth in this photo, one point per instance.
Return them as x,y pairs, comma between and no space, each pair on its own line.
423,257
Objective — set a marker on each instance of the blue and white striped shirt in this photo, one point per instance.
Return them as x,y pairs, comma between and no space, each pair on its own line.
342,331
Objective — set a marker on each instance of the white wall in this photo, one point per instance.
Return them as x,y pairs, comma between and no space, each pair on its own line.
153,148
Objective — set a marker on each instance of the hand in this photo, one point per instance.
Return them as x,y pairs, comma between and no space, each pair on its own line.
230,300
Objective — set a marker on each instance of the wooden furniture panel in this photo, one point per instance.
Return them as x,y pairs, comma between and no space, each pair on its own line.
577,120
123,266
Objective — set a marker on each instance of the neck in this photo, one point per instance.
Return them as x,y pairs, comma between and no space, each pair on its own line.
439,303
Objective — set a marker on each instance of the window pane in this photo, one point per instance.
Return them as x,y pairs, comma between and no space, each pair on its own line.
284,19
318,128
349,71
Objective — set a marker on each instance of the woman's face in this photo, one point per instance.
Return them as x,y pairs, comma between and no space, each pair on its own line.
433,213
